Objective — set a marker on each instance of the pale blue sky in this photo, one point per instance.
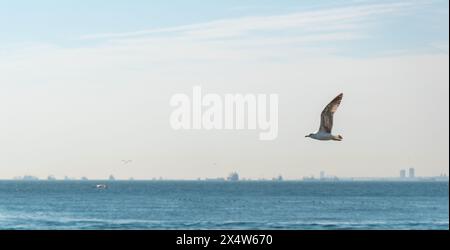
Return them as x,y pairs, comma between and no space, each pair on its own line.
86,84
416,27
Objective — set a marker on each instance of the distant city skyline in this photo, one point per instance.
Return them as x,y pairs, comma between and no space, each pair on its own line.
234,176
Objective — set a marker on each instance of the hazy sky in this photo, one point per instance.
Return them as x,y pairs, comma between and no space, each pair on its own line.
86,84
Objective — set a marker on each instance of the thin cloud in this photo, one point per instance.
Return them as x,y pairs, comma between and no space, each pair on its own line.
441,46
325,20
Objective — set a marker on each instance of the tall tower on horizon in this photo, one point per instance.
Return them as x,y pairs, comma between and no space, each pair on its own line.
412,173
402,173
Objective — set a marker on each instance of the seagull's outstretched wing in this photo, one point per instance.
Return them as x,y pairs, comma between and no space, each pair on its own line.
326,121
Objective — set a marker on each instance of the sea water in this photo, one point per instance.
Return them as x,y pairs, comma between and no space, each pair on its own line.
223,205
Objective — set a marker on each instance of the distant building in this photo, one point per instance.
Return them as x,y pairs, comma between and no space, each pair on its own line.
111,178
279,178
306,178
322,175
402,173
30,178
51,178
84,178
233,177
412,173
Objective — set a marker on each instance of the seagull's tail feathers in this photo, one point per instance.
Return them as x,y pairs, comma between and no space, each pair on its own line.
338,138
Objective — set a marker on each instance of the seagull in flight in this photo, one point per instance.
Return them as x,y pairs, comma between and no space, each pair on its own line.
125,162
326,122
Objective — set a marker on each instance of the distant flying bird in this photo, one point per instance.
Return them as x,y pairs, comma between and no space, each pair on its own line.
326,122
125,162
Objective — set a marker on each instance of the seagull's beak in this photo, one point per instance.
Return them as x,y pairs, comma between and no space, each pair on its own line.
306,136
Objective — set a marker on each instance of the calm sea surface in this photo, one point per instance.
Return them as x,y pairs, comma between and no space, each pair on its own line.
223,205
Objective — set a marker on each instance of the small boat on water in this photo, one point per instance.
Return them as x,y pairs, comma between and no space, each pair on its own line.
101,186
